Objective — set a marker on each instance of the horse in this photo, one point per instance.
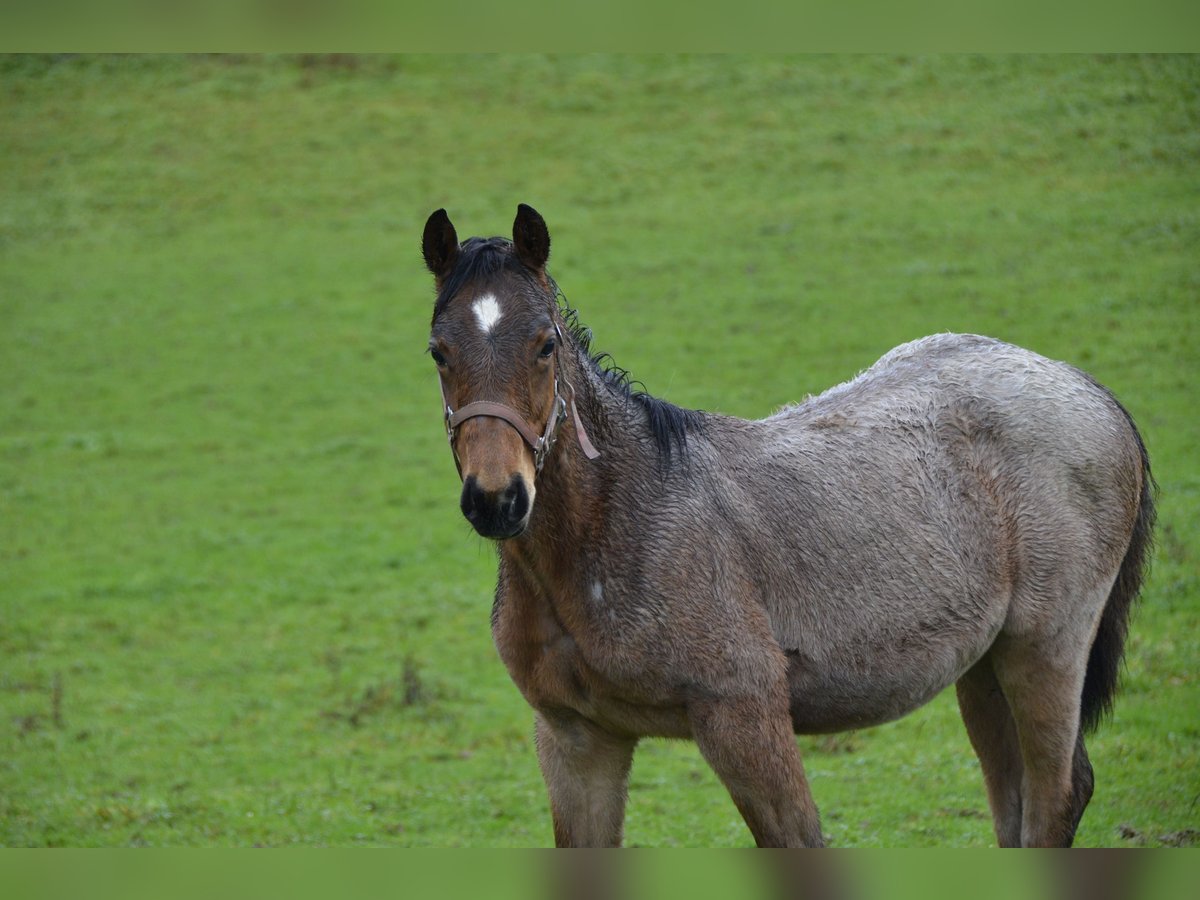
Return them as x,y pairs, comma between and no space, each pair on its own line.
963,512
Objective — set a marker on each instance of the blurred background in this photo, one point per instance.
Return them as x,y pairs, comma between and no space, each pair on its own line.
238,604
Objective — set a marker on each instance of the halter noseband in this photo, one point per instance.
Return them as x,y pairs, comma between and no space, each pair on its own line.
540,444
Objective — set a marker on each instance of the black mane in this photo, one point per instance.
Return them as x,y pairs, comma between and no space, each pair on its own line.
669,424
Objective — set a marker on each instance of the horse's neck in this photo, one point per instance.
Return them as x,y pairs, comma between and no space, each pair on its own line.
572,506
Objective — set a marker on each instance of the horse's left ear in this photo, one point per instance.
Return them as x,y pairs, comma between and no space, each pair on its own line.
531,238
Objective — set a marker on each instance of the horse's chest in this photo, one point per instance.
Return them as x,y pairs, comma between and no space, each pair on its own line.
557,677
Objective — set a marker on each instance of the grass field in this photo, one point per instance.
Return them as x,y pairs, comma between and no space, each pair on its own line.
238,604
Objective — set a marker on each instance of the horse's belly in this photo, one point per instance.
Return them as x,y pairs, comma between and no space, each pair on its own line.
840,705
835,694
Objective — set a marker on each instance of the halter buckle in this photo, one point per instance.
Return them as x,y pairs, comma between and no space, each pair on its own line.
546,442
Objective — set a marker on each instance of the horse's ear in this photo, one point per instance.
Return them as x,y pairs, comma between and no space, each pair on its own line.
440,246
531,238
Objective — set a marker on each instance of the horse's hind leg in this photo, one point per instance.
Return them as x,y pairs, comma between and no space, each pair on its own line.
993,734
587,776
1044,685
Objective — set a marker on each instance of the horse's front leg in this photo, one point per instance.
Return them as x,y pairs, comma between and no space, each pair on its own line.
587,775
749,743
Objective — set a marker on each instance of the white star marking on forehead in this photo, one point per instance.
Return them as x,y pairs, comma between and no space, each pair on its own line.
487,311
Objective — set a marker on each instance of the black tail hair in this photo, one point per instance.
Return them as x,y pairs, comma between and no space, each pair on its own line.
1104,661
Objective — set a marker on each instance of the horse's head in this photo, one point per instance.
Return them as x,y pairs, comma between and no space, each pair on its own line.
494,341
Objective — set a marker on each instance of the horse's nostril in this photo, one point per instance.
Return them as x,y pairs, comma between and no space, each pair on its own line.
516,500
472,499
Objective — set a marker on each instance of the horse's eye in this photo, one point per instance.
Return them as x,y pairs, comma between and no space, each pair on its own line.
437,357
547,349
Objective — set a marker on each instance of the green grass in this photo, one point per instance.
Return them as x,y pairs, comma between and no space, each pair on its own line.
238,604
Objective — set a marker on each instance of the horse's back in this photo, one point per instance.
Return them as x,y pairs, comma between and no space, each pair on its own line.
1006,412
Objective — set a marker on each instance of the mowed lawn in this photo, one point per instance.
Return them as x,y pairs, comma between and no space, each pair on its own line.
238,604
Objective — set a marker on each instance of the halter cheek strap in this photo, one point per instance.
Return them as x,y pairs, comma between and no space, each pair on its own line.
540,444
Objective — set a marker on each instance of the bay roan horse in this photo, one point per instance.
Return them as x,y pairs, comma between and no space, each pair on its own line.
963,512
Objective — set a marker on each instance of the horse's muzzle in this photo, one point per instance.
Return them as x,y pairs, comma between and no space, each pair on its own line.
496,514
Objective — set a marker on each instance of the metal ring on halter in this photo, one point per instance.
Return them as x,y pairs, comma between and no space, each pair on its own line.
547,441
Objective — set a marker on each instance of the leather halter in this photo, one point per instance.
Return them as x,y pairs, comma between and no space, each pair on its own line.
540,444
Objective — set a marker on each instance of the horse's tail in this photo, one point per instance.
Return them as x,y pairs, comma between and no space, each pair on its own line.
1104,661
